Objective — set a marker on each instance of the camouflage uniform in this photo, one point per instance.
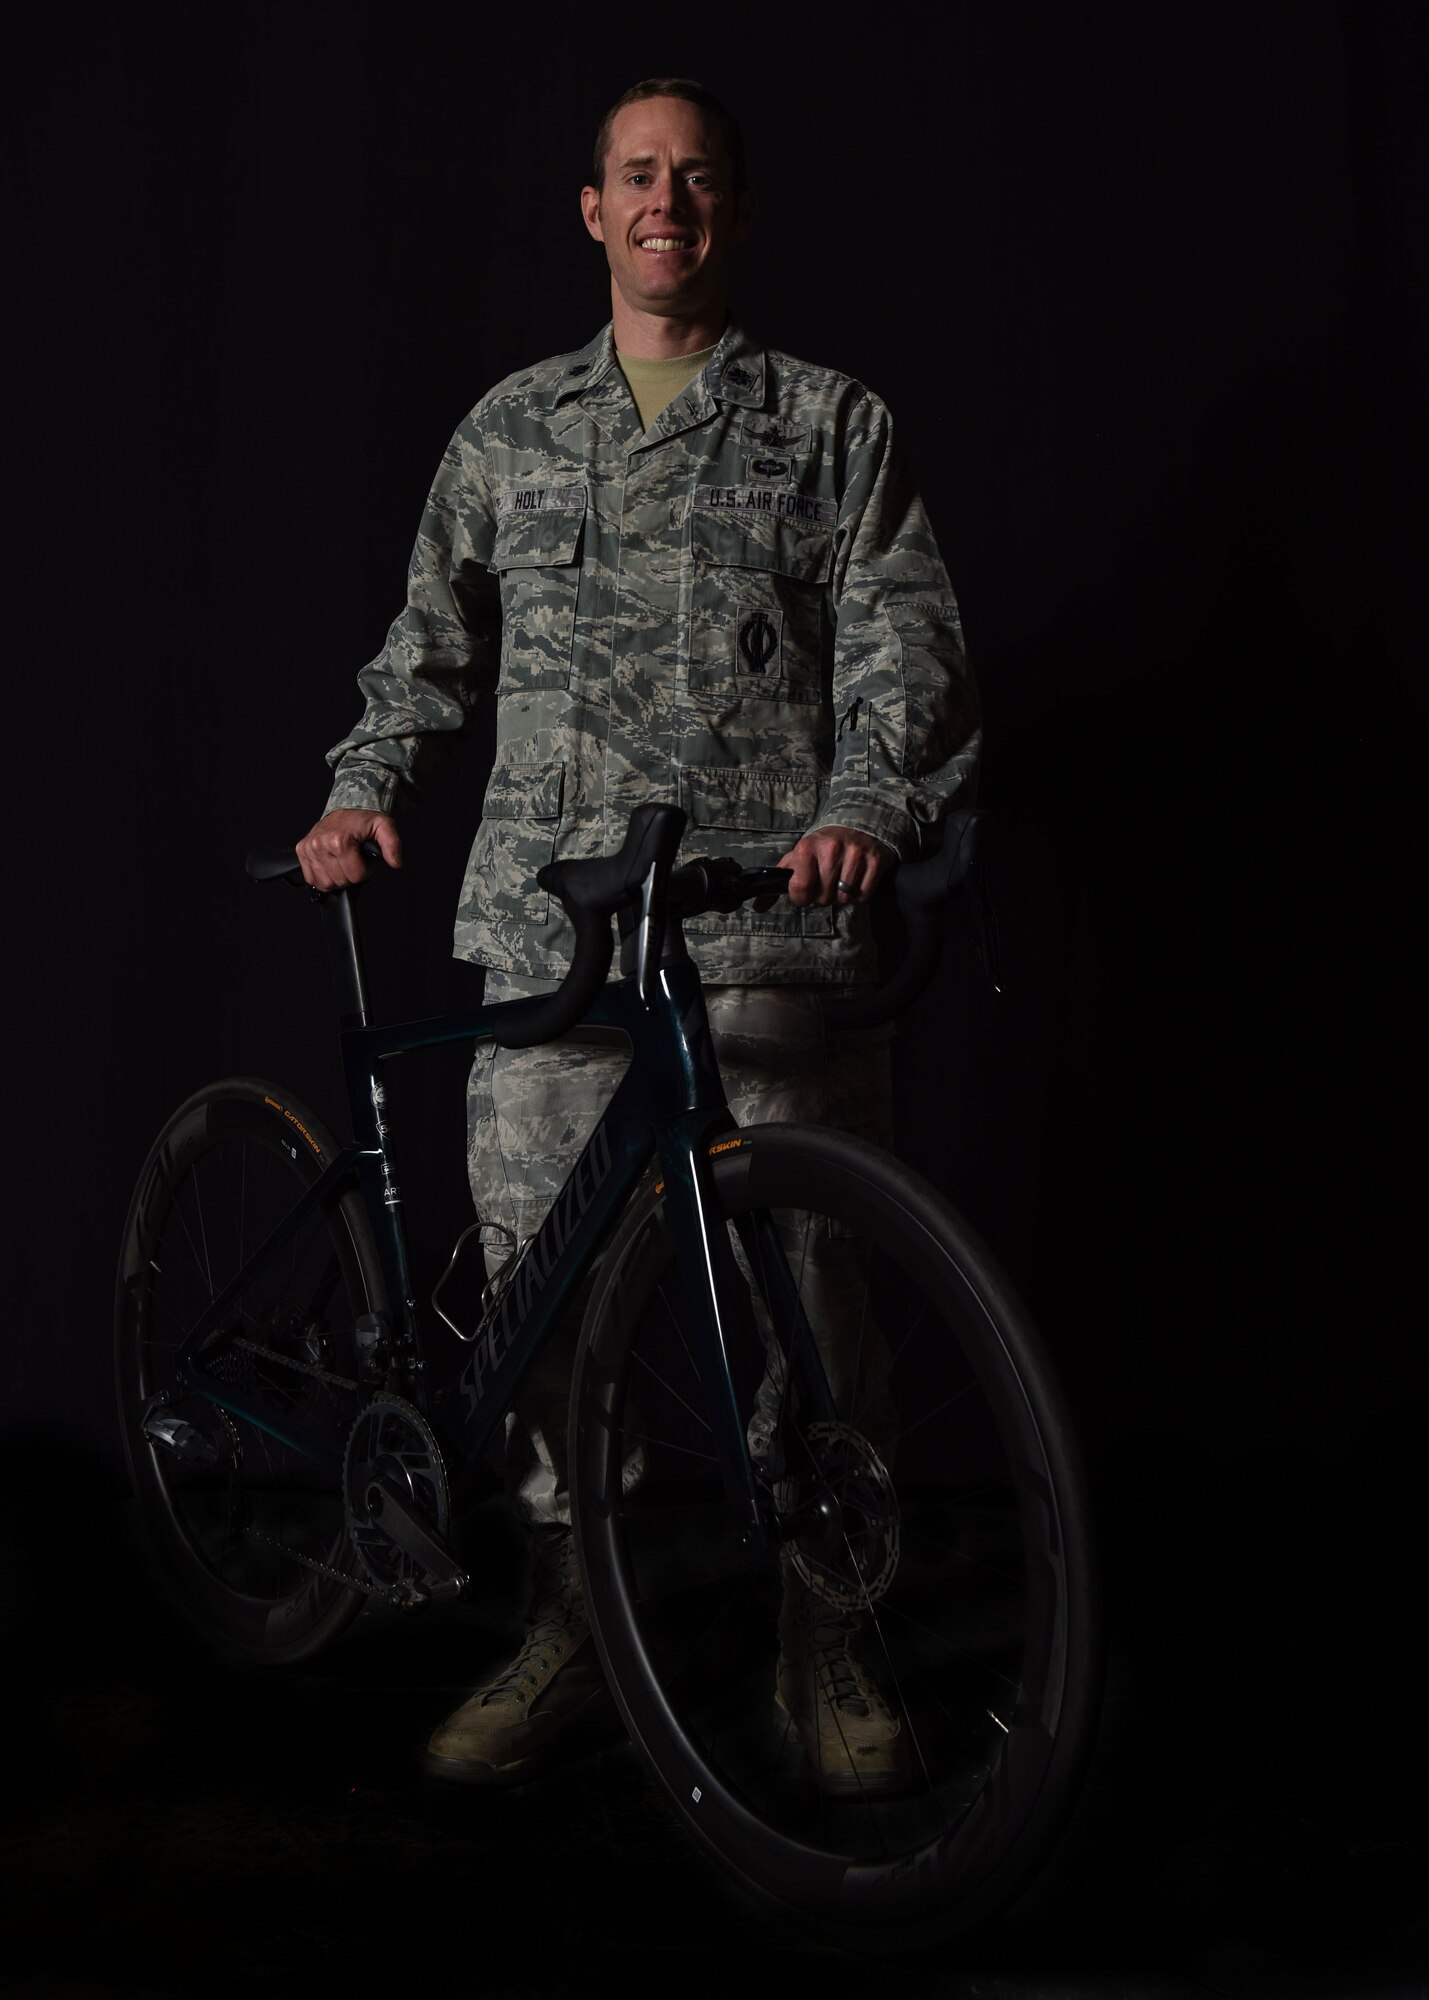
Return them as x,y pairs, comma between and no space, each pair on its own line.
741,611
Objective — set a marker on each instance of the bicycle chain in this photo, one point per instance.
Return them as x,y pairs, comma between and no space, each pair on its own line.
287,1361
284,1548
326,1569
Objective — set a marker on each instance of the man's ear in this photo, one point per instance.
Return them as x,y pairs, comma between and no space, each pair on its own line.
590,210
745,212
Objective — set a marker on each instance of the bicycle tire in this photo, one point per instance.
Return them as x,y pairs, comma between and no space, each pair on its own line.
227,1166
980,1626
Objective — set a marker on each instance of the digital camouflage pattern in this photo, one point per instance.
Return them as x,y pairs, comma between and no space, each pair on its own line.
741,611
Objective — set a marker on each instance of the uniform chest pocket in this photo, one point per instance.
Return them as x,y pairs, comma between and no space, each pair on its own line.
759,626
537,553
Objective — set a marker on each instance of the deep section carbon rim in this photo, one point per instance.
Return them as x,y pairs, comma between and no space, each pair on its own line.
931,1566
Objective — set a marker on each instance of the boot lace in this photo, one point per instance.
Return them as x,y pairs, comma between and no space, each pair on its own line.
842,1681
558,1607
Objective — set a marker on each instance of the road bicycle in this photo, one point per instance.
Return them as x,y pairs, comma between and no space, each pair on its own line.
800,1378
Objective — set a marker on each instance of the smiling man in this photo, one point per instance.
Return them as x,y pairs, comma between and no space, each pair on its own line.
690,569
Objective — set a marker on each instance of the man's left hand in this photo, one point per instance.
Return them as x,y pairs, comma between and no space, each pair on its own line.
836,864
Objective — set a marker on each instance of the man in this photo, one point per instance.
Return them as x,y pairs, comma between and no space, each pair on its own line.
692,569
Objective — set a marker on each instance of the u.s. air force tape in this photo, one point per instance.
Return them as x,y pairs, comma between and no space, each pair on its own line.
775,502
540,499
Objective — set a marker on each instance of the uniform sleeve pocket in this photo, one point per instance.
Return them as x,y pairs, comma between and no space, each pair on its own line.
520,818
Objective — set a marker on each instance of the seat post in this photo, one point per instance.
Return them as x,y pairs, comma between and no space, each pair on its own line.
344,951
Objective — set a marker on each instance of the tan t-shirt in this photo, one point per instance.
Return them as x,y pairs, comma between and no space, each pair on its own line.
654,384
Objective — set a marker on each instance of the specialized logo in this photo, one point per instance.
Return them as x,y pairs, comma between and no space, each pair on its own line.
773,502
771,469
534,1266
541,500
758,642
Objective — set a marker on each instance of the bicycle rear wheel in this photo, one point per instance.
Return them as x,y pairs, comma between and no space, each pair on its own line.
960,1555
249,1533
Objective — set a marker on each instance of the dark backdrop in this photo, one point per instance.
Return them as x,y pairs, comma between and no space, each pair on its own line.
1146,293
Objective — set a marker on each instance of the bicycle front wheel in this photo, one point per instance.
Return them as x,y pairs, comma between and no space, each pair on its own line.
249,1532
878,1720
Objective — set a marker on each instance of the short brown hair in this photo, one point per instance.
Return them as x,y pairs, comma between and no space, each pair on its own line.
693,93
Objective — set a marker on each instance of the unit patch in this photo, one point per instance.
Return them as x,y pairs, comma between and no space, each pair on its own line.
758,642
775,503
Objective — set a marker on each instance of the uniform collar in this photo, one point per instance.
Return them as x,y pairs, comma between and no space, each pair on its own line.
735,371
588,370
734,374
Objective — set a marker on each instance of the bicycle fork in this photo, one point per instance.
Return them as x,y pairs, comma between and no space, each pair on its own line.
719,1297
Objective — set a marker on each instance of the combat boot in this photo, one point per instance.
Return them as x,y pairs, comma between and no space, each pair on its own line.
549,1697
855,1743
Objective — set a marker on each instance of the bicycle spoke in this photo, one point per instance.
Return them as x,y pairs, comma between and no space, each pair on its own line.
928,1415
671,1391
946,1646
674,1321
668,1444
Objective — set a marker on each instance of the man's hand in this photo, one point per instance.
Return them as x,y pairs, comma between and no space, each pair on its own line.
330,856
835,864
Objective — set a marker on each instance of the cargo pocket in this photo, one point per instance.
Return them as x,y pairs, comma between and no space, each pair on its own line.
537,553
520,817
753,816
757,628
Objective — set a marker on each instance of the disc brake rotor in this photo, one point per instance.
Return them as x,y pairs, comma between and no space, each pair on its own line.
851,1561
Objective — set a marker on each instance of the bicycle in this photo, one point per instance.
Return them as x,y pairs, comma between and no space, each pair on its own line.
799,1372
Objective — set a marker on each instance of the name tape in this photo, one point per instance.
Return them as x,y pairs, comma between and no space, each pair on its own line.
541,499
774,502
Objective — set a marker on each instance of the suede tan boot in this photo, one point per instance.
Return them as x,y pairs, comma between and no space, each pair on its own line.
855,1743
551,1695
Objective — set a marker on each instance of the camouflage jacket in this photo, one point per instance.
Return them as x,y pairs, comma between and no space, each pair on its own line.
741,610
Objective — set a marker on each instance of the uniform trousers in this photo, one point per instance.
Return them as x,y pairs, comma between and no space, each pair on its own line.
529,1112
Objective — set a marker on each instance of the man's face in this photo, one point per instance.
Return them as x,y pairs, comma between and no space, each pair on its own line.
668,214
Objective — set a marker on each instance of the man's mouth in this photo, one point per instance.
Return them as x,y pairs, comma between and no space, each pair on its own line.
660,245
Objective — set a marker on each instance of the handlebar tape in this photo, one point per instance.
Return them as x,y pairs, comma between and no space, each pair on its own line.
922,889
591,892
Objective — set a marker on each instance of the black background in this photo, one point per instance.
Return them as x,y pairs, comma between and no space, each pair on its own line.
1145,290
1148,303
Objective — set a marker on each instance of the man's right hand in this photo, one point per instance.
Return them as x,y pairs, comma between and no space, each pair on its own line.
331,855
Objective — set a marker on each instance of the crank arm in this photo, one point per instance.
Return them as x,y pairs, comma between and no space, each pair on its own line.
444,1576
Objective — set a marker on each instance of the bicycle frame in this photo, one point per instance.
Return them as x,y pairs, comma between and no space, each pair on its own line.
671,1101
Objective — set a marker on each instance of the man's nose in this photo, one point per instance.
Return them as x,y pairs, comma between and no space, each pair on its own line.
668,195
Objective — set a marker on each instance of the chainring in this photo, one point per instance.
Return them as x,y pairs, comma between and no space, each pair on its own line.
392,1440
